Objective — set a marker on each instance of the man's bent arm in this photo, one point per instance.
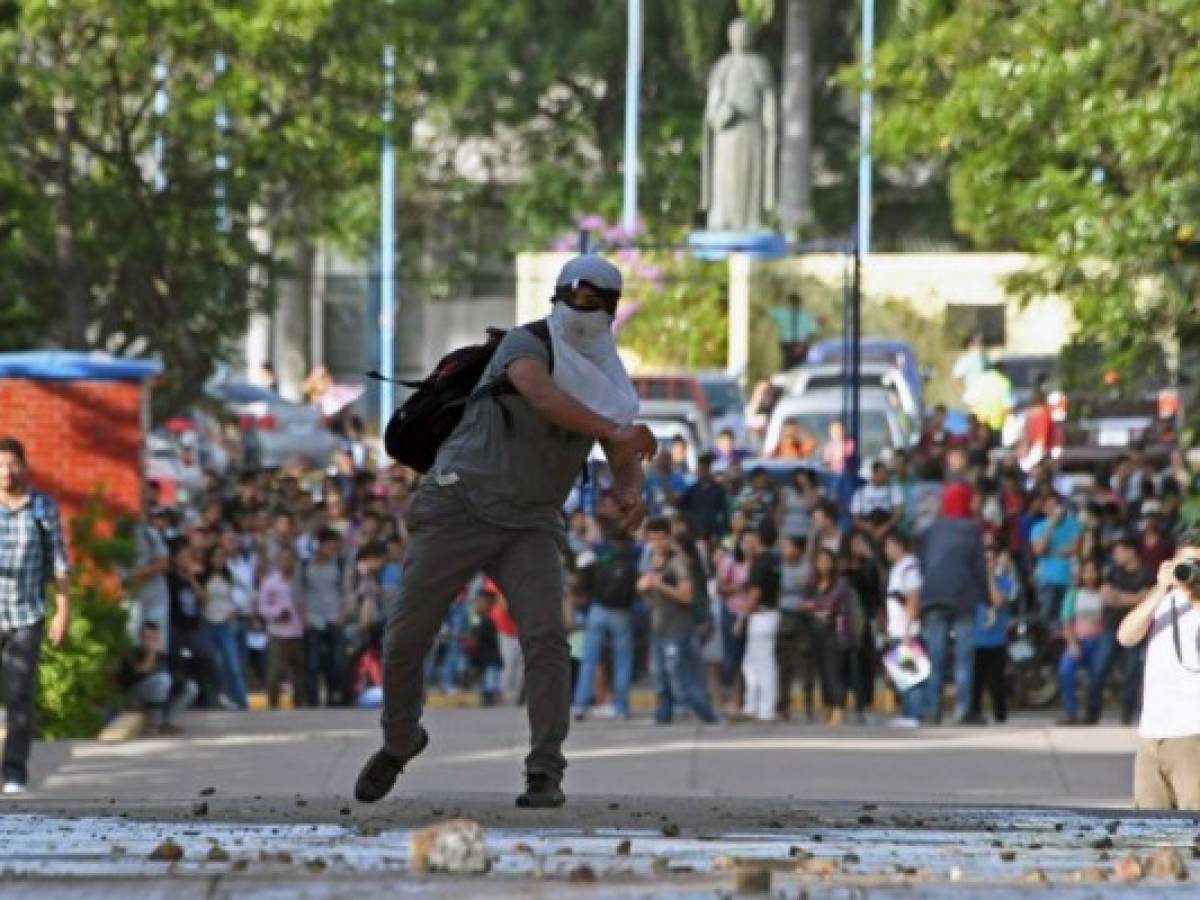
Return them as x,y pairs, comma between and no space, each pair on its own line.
532,380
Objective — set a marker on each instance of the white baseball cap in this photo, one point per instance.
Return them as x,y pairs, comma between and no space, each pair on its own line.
595,270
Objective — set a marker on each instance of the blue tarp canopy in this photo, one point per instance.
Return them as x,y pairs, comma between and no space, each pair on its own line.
64,365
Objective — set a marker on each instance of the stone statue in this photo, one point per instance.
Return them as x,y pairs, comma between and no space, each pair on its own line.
740,137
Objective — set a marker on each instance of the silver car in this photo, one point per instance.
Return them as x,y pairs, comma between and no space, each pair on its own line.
275,430
883,428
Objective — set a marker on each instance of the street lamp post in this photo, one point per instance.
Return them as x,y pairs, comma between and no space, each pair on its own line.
633,72
387,248
864,128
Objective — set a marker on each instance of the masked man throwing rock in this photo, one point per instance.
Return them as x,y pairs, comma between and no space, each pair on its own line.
493,502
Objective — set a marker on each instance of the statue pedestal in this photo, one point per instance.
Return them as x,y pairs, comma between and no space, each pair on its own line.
717,245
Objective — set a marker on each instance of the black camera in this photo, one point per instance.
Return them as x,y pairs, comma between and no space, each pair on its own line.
1187,572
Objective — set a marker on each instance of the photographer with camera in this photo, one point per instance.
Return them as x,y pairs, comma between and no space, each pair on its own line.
1166,773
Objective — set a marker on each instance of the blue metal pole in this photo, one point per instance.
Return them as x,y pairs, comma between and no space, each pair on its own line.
387,247
162,102
222,123
864,128
633,73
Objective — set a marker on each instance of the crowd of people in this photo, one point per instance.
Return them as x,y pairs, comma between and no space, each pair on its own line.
745,589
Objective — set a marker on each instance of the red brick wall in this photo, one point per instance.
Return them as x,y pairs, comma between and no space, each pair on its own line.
78,435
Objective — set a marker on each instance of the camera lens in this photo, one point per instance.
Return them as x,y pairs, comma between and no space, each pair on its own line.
1185,572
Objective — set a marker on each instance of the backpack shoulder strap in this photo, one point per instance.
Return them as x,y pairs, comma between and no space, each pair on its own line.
541,330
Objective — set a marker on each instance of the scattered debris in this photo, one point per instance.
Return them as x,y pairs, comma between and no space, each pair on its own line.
1091,875
217,854
1129,868
820,866
167,851
751,878
455,846
582,875
1166,864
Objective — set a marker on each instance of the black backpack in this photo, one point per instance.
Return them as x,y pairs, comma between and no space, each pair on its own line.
421,425
615,575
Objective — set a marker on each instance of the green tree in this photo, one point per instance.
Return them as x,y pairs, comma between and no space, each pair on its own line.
106,249
1067,128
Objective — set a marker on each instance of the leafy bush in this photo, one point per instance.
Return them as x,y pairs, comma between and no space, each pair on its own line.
77,681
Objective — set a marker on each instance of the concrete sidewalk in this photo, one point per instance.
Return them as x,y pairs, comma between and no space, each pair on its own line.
317,753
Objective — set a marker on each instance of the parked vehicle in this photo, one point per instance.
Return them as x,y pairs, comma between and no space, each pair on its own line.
875,350
669,419
883,428
274,430
717,396
726,405
1024,372
880,376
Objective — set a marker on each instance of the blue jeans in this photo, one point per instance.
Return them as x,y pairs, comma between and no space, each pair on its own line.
733,649
225,639
1132,659
617,625
1090,658
935,634
1050,601
674,678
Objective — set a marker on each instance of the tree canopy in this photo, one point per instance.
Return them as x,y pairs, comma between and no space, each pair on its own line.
1068,129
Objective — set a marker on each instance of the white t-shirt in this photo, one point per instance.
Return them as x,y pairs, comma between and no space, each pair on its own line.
904,578
1171,704
870,497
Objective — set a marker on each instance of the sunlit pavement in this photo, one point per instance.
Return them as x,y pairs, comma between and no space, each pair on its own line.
318,753
881,811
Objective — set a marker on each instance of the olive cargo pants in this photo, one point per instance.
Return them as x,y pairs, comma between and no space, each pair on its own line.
448,546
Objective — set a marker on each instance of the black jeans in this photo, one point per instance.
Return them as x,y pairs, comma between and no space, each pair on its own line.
989,676
20,650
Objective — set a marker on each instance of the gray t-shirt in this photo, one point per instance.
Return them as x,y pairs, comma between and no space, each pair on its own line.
668,618
518,476
319,586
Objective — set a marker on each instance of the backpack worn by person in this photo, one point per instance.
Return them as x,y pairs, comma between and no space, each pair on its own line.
615,575
422,424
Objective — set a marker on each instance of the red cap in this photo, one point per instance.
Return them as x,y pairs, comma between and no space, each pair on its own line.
956,501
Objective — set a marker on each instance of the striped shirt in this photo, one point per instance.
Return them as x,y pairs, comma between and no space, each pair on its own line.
27,533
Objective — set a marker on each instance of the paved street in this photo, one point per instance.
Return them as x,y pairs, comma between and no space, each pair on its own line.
257,804
317,754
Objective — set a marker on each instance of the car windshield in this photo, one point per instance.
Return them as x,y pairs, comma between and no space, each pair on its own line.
723,397
835,380
875,437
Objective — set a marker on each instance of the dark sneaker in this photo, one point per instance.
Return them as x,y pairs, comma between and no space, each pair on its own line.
379,775
541,792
